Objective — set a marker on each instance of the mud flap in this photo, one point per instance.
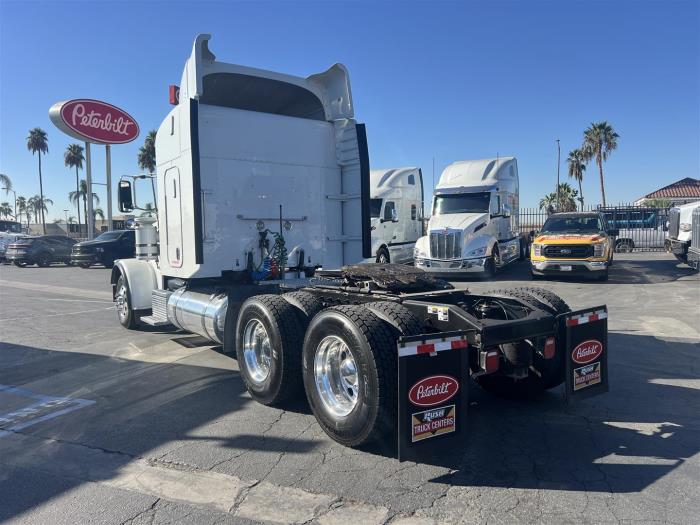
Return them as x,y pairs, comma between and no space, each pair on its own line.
586,335
432,394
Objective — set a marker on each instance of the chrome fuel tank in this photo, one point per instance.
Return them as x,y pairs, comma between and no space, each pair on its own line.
199,312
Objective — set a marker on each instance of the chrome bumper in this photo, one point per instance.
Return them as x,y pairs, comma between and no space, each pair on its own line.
476,265
555,266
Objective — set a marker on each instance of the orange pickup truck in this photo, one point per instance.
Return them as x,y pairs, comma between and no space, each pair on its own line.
573,243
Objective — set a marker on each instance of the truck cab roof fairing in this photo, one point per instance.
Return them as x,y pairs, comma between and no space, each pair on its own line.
331,87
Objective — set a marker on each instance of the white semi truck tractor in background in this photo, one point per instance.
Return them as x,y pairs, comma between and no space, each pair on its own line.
396,210
683,239
473,227
262,182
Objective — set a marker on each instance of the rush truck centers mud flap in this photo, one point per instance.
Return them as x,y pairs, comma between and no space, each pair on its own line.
586,336
433,394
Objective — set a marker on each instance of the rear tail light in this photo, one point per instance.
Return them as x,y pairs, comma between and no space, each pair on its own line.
490,360
550,348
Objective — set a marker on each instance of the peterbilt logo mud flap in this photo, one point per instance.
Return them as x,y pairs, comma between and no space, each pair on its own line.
433,379
586,336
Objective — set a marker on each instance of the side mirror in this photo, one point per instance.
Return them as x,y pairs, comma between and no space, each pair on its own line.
126,202
614,232
505,210
394,215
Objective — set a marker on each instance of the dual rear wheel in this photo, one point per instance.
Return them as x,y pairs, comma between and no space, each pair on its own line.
343,357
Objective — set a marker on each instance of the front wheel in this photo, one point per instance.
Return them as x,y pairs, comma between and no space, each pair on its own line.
383,256
125,313
491,267
84,266
19,264
349,368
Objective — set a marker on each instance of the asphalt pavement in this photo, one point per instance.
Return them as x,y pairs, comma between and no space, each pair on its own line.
103,425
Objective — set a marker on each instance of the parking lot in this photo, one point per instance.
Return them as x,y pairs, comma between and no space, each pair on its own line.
103,425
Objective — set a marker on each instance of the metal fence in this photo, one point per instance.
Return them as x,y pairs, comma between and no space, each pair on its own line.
641,228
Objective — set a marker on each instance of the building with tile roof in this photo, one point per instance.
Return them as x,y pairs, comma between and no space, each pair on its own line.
680,192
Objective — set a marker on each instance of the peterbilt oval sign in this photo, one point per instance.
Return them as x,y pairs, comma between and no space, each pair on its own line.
94,121
433,390
587,351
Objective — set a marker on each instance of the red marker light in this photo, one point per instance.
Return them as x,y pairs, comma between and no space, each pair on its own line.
550,348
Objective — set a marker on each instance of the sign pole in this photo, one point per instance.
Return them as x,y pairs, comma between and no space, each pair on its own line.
90,221
108,155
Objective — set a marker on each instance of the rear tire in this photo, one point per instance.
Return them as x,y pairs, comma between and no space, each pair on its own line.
396,315
44,260
268,348
358,406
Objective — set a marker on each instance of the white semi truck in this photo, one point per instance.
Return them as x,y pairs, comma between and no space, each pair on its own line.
473,227
396,210
683,238
262,176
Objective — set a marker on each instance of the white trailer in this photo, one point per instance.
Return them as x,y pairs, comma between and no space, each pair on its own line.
473,227
396,210
261,175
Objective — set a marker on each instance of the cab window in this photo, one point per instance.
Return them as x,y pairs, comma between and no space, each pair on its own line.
389,207
375,208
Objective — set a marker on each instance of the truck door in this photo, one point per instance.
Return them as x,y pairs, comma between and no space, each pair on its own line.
173,217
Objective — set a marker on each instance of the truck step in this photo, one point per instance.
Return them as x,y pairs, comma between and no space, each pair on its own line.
154,321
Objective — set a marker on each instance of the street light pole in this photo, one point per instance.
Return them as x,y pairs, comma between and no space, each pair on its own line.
66,212
558,160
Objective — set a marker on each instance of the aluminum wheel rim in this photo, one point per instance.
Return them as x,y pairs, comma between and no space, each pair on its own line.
122,302
335,374
257,351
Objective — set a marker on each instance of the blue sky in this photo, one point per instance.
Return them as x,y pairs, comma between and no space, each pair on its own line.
450,80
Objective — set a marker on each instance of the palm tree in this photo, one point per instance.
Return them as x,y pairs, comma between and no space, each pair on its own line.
5,209
577,165
81,195
73,158
567,199
5,183
97,212
599,140
38,142
22,208
37,206
147,153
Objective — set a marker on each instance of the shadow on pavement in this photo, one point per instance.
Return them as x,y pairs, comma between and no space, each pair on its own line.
623,441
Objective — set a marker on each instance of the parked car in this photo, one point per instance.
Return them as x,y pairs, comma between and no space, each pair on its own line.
573,243
105,249
638,227
5,240
42,250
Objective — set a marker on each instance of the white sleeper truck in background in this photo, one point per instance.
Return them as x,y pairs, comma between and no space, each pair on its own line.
473,227
396,209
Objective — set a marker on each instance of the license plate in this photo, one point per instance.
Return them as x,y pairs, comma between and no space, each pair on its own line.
565,268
